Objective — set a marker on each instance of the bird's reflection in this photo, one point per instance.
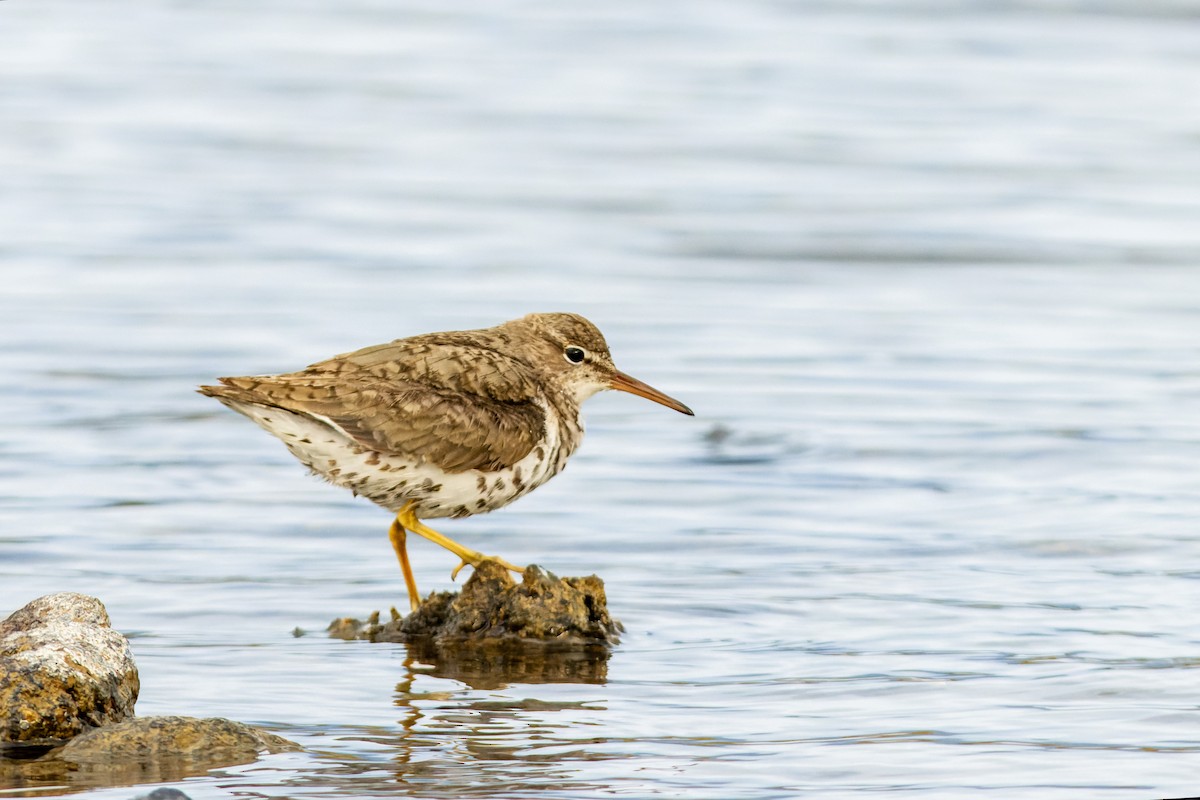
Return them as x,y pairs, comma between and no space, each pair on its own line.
456,739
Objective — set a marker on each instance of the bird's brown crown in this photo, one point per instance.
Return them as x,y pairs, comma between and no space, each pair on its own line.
564,330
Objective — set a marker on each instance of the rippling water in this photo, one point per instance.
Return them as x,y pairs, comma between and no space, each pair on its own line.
925,270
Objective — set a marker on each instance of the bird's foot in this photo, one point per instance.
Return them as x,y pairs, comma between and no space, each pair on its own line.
407,520
479,559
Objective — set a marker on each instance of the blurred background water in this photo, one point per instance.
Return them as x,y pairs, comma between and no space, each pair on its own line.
926,271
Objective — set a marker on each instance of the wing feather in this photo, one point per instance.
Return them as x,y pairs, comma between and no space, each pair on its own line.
456,407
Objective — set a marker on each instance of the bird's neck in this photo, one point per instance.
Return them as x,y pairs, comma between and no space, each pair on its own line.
566,417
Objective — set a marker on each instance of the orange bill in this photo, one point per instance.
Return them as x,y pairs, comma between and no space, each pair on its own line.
625,383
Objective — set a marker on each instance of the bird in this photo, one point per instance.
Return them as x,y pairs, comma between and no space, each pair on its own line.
441,425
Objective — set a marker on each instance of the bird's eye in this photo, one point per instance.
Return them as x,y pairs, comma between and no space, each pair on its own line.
575,355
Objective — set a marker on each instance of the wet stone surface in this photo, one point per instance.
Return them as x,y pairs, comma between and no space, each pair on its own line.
544,629
145,750
63,671
494,609
214,741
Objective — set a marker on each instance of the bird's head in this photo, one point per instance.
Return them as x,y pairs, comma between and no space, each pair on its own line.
572,354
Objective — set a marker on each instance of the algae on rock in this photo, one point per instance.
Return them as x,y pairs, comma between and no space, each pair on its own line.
492,607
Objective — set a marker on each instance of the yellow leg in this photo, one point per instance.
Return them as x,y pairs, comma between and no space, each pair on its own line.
398,536
408,520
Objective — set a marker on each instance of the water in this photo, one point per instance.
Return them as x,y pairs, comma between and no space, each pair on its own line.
925,270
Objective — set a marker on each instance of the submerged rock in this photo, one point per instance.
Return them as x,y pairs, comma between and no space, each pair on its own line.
163,793
63,670
145,750
157,749
215,741
494,608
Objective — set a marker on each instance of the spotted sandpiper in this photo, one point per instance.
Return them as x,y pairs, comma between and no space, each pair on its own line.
443,424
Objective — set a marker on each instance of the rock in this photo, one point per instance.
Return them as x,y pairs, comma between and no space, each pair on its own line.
65,674
185,738
545,629
163,793
145,750
492,607
63,670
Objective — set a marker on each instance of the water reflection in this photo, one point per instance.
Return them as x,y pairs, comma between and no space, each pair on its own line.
456,743
496,665
50,775
463,743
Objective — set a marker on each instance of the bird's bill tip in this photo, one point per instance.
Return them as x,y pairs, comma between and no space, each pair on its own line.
626,383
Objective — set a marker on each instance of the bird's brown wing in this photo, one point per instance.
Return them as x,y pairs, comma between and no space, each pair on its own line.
457,408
